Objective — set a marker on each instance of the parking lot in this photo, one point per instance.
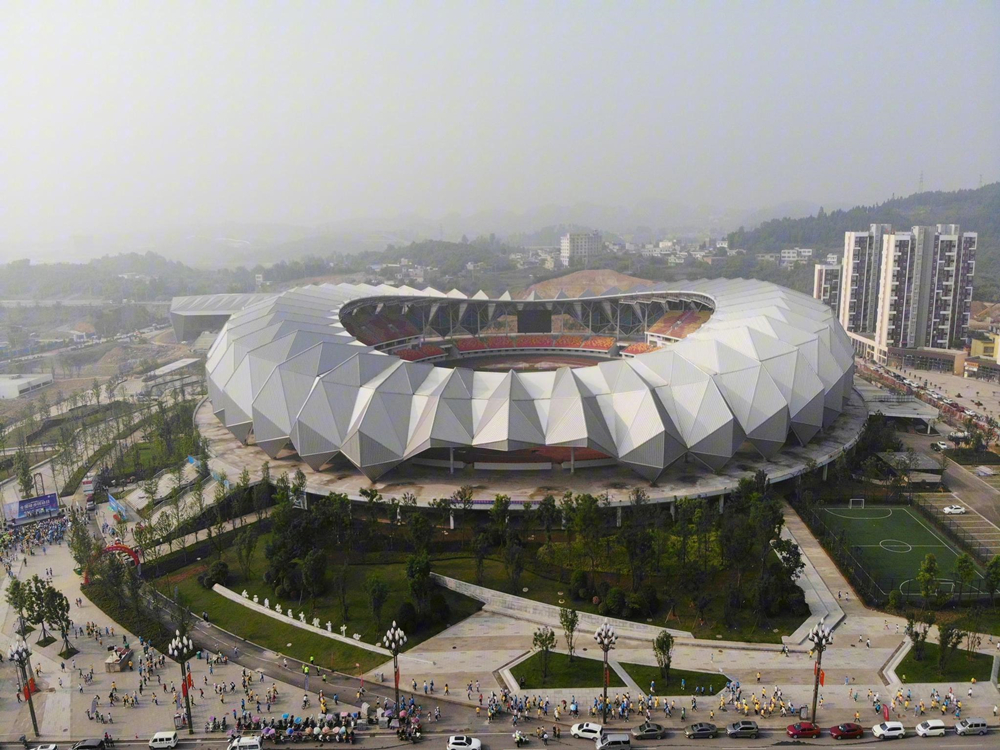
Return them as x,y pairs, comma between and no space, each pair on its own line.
975,530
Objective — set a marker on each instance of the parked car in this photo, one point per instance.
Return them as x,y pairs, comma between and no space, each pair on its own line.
931,728
889,730
744,728
163,741
953,510
939,446
464,742
649,731
802,730
971,726
46,747
701,731
849,731
587,730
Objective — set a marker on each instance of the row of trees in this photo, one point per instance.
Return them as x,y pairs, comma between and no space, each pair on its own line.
37,602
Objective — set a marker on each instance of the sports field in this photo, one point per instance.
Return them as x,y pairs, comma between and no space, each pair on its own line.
892,541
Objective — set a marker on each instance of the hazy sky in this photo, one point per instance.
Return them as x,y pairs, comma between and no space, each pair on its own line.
126,116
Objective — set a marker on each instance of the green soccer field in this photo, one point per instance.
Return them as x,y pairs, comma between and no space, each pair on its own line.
893,541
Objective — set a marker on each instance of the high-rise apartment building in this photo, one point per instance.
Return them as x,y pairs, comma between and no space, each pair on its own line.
577,247
826,285
925,288
859,284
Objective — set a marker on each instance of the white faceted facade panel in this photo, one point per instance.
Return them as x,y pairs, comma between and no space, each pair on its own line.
769,365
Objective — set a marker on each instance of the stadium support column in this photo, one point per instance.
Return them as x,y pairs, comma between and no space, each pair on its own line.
826,470
451,460
572,460
722,503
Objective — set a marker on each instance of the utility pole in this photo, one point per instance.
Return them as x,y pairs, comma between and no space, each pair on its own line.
821,637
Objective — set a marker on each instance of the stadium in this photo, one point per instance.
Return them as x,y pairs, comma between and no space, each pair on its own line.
688,375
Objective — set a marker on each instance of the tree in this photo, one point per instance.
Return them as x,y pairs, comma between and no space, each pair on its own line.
973,634
499,516
965,571
22,470
95,391
418,575
421,531
992,577
481,548
18,596
57,607
513,563
569,619
949,639
197,505
149,488
81,544
544,640
246,547
663,647
38,600
313,573
341,589
378,592
549,516
927,578
918,630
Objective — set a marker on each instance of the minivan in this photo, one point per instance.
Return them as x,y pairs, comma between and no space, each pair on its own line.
245,743
162,740
971,726
613,741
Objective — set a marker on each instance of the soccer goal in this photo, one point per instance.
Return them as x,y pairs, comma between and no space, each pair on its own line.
856,502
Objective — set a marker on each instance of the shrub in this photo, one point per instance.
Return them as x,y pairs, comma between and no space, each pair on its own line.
439,607
895,599
635,604
579,586
603,587
651,602
218,573
406,616
615,602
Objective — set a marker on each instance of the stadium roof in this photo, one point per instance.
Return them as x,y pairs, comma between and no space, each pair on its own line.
768,364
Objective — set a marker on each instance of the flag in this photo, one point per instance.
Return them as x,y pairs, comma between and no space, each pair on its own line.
815,668
822,677
190,680
184,688
885,711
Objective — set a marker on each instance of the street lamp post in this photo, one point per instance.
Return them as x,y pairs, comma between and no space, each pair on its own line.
20,655
606,637
394,640
821,637
181,649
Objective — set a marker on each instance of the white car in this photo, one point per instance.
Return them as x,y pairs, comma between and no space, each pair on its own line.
931,728
889,730
940,446
46,747
463,742
588,730
953,510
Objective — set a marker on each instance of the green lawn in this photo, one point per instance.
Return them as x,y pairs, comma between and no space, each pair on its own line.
270,633
585,672
551,591
643,674
273,634
960,668
563,673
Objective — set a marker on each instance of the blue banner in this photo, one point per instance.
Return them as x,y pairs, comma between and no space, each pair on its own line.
38,506
117,507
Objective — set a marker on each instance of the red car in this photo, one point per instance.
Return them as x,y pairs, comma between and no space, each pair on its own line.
846,731
803,730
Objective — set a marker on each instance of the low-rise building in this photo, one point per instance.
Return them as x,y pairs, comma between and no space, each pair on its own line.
16,385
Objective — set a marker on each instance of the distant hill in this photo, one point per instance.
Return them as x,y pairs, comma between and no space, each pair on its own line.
975,210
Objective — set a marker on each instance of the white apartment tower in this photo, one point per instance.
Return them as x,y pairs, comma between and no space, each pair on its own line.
925,288
826,285
577,247
859,284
